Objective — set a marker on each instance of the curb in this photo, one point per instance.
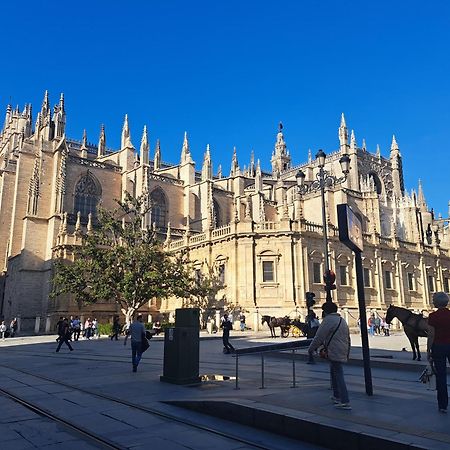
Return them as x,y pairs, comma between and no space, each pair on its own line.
308,427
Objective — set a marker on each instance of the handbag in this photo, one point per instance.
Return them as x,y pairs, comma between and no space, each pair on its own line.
144,343
323,352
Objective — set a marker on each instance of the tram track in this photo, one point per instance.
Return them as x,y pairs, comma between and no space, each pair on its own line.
103,442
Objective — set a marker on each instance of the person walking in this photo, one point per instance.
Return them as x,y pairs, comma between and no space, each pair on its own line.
95,330
13,327
76,325
438,346
312,323
371,324
242,320
115,328
227,326
64,334
3,329
137,333
88,328
334,335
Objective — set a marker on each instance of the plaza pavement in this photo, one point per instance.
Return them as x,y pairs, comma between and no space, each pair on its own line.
401,414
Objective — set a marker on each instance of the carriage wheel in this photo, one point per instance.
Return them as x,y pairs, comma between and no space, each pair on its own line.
295,331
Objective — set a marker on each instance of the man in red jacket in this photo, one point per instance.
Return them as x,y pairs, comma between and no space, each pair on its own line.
439,346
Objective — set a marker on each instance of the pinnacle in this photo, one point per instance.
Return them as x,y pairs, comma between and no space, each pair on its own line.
343,124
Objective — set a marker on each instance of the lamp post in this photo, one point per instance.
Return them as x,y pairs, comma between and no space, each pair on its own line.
324,179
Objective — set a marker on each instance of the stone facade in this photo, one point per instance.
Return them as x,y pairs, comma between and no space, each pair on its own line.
254,227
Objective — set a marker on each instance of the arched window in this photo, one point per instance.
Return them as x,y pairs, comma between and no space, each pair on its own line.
87,195
217,215
159,208
377,182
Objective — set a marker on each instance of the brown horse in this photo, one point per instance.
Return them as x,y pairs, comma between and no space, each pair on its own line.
414,326
283,322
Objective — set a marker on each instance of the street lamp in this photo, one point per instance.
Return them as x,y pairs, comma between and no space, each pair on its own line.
324,179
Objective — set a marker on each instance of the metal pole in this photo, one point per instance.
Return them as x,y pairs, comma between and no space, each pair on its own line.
237,372
262,371
325,234
293,368
363,323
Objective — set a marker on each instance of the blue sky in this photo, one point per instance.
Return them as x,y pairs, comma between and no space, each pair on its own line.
229,71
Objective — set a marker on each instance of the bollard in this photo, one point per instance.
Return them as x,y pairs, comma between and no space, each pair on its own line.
262,371
237,372
47,324
293,368
37,324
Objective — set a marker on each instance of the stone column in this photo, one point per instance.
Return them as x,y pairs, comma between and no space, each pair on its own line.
47,324
256,320
37,324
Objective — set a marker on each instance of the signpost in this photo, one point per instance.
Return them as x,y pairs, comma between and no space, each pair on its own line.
351,234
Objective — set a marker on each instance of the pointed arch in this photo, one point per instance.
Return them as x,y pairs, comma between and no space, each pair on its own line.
87,195
217,214
159,205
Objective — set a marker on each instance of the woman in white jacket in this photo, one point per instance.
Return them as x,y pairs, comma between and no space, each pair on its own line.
334,335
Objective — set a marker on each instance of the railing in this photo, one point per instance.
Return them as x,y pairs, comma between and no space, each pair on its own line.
266,226
197,238
222,231
264,349
176,244
313,227
408,245
385,240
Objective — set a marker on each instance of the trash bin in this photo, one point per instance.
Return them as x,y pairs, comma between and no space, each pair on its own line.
181,349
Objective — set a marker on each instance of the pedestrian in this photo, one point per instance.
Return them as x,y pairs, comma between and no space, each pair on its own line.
312,323
13,327
334,335
242,320
88,328
137,333
115,328
227,326
438,346
377,325
371,324
64,334
95,330
3,329
76,325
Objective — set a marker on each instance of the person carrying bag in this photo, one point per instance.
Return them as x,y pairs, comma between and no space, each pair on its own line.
334,335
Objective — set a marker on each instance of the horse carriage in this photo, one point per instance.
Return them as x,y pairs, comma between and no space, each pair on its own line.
287,326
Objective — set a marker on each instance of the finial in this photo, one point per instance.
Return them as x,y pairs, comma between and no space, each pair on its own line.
343,124
78,222
144,146
394,145
309,156
280,127
378,151
89,224
364,144
84,139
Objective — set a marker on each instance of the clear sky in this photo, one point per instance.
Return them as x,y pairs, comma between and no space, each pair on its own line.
229,71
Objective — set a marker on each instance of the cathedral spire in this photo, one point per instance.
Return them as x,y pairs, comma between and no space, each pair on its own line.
45,108
394,145
102,142
144,146
251,167
258,177
353,144
185,150
207,165
157,160
343,135
125,141
281,160
7,116
421,202
83,147
234,164
378,151
363,146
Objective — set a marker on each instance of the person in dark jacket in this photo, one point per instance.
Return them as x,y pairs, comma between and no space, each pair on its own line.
64,334
438,346
227,326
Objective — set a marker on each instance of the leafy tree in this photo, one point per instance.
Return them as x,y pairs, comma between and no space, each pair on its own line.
121,260
204,292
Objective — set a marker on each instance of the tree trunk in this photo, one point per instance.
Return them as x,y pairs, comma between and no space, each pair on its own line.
128,313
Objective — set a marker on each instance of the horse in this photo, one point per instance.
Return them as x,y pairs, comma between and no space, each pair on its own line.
414,326
283,322
302,326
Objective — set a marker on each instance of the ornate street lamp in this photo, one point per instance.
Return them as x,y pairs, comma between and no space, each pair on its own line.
324,179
